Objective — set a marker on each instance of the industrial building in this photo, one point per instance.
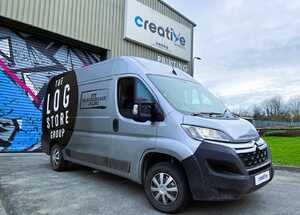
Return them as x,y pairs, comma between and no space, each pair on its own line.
39,39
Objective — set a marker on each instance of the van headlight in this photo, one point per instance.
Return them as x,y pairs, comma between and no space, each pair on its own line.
261,142
200,133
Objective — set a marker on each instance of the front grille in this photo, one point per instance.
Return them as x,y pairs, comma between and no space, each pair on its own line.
253,159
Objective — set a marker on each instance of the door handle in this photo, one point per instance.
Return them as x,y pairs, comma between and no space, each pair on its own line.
116,125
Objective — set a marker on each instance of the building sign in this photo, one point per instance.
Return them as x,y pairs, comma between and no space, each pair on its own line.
149,27
173,63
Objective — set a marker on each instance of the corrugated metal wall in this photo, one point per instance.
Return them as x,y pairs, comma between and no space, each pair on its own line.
26,64
28,60
97,22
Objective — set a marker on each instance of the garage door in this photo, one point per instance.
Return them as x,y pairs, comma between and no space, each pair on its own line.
27,62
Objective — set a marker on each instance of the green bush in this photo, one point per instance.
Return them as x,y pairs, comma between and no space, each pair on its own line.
280,132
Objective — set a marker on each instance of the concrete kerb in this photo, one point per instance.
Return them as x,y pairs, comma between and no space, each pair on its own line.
287,168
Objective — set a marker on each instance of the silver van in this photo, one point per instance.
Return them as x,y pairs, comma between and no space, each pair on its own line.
157,126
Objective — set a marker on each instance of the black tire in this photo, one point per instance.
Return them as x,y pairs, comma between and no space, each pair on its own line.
167,205
56,158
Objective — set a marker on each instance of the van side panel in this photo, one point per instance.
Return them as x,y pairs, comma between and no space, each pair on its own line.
91,140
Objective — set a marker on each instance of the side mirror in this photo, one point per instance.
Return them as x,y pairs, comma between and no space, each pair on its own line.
144,110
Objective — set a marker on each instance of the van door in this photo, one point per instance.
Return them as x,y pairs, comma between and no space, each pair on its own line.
131,138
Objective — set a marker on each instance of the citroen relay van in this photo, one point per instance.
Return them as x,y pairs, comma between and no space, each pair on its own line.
154,125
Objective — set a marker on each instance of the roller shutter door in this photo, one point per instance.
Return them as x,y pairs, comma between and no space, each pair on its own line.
27,62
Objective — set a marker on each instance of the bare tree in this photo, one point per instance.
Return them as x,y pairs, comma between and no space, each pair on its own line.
293,106
273,108
267,108
258,112
277,104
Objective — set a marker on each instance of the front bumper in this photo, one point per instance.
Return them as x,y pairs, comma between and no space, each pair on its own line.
217,172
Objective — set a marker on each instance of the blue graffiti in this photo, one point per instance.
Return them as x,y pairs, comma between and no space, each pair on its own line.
15,104
27,62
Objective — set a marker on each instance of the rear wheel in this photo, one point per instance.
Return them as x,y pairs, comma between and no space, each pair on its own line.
56,158
166,187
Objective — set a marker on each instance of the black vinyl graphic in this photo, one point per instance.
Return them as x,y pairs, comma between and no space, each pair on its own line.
60,108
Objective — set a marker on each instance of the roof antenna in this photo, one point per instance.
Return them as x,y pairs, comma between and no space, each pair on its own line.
173,70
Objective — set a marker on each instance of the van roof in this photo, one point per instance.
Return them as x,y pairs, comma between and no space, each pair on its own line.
129,65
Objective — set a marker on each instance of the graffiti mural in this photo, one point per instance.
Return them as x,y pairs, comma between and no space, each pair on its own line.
26,65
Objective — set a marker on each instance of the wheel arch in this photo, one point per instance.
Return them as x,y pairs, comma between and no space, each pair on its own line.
46,147
152,157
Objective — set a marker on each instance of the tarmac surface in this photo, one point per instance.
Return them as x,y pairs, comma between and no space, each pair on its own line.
28,185
2,211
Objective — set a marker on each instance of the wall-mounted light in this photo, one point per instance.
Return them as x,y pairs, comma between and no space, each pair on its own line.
195,58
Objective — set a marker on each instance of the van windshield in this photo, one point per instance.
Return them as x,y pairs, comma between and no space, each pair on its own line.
188,96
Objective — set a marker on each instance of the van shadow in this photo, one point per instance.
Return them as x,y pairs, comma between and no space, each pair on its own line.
121,187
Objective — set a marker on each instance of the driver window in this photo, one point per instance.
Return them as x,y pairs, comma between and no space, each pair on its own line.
129,89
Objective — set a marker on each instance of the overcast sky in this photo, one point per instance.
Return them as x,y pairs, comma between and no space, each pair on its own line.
250,48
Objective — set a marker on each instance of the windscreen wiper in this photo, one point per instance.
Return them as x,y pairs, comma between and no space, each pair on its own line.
226,112
207,113
234,114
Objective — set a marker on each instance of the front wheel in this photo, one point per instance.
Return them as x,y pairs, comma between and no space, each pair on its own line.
166,188
56,158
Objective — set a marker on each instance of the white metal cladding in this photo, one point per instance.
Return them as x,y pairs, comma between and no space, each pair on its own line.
96,22
26,64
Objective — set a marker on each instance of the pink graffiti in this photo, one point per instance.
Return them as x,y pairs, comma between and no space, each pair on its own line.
15,78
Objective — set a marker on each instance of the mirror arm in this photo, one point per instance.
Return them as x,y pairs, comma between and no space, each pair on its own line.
157,114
